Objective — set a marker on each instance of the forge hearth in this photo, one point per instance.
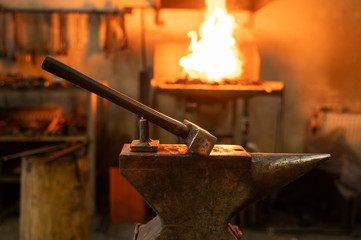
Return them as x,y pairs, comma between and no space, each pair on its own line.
167,78
225,90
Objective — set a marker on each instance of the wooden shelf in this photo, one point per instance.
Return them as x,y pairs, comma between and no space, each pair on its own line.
50,88
44,138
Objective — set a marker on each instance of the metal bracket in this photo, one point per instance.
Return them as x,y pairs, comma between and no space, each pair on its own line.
144,143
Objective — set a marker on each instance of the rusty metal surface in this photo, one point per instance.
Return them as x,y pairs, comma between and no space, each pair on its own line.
195,196
181,151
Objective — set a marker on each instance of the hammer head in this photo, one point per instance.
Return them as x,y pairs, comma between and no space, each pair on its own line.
199,141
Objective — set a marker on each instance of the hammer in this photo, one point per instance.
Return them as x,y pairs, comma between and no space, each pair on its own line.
198,140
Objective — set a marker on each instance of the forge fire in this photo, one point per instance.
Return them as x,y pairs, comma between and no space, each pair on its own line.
219,50
214,55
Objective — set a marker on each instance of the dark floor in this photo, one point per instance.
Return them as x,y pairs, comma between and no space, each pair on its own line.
100,231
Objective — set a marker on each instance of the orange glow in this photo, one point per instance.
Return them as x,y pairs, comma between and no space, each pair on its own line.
214,55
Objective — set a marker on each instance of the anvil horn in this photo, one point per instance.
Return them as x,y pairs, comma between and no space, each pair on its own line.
272,171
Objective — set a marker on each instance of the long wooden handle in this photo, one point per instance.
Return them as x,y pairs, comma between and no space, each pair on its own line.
64,71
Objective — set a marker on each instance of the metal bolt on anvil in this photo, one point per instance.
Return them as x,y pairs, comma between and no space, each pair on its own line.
144,143
194,195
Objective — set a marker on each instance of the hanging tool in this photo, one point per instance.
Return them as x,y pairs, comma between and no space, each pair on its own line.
63,34
115,33
108,34
16,42
47,33
3,34
122,42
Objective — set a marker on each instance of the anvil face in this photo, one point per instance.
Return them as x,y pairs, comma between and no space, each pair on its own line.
195,196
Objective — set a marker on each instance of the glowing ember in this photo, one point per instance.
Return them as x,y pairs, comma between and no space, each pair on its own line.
214,55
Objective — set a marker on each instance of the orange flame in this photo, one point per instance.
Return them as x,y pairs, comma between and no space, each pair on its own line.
214,55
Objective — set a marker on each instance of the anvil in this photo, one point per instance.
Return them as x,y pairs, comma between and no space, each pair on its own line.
196,196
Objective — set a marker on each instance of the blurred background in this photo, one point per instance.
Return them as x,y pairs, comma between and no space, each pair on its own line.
299,92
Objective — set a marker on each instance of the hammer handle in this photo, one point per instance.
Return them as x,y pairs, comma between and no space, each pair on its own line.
61,70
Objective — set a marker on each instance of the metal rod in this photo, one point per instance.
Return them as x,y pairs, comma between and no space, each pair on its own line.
61,153
61,70
33,152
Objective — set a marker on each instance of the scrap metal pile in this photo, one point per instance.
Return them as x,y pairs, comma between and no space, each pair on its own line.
19,81
40,121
